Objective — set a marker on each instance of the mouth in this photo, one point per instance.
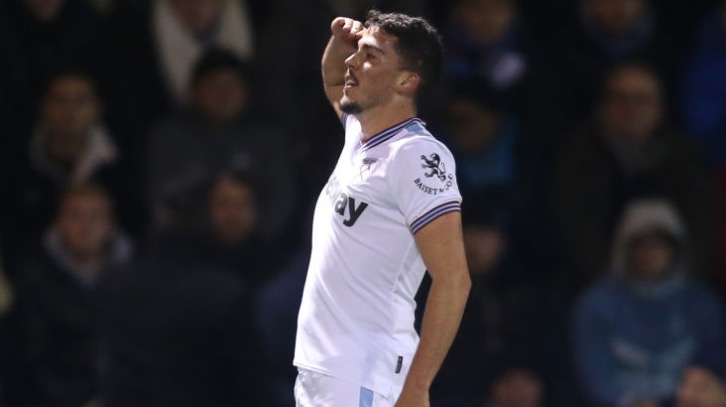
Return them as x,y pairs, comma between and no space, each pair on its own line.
350,80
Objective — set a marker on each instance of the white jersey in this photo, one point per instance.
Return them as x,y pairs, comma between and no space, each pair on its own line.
356,320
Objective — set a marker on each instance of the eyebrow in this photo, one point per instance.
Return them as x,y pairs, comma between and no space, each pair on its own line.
369,47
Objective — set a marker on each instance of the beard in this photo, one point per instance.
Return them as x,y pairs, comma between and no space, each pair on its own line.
350,107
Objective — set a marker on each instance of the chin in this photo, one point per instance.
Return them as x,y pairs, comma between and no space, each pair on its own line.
349,106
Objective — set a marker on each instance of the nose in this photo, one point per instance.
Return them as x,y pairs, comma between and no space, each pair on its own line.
352,61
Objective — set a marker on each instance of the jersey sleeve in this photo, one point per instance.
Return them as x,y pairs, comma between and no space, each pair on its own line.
422,177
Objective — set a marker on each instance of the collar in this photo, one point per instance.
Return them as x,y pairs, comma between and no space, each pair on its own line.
387,134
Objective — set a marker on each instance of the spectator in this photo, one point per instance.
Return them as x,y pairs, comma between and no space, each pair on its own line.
627,150
493,56
610,32
156,45
704,380
177,331
233,237
40,37
487,39
482,135
219,132
635,330
70,146
56,343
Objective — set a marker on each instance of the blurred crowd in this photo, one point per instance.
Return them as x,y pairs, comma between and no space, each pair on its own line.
159,161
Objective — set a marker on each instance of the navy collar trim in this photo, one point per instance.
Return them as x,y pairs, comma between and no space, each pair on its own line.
387,134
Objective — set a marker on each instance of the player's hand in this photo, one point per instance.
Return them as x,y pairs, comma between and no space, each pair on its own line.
413,399
347,31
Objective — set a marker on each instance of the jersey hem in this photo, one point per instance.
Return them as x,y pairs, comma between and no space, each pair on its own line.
322,370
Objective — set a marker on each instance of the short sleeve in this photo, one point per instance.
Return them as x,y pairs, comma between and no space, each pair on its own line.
422,176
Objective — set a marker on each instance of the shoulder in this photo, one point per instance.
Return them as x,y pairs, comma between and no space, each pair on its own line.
598,297
419,142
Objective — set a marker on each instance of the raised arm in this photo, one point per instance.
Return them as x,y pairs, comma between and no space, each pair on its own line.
343,43
442,248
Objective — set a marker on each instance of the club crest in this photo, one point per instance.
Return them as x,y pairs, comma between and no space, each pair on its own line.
436,167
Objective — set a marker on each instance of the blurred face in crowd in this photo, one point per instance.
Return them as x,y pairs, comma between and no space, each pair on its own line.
233,211
198,16
632,107
487,21
85,223
69,111
44,10
700,388
517,388
650,256
473,126
615,17
221,95
484,247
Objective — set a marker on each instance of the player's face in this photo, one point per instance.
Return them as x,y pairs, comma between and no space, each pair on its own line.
371,72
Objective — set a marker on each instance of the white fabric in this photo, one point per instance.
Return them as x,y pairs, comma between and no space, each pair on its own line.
314,389
179,50
100,151
357,313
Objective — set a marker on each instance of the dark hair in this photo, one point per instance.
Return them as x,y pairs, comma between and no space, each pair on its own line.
217,59
70,71
239,176
418,43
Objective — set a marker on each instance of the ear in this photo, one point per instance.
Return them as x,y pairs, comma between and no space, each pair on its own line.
408,82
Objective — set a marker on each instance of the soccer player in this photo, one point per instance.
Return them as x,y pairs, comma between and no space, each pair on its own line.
390,211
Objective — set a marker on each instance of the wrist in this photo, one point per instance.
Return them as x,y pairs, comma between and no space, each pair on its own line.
417,384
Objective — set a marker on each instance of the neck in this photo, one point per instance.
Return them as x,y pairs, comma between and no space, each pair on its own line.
375,120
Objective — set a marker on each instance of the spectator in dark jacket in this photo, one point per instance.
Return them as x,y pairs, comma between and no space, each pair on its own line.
177,332
54,329
69,146
232,235
154,46
220,132
625,151
609,33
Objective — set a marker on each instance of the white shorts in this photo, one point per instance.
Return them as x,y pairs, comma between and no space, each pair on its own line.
314,389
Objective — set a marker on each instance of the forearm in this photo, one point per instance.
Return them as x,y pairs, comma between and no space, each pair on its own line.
333,63
444,308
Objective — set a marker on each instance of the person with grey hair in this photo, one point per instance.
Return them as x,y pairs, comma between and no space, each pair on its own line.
635,330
